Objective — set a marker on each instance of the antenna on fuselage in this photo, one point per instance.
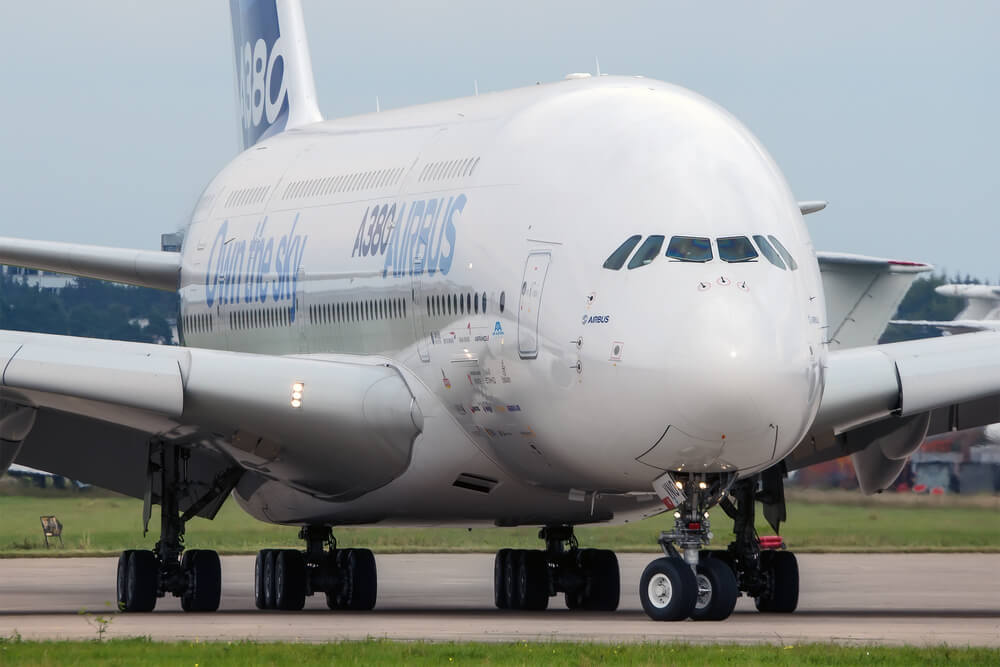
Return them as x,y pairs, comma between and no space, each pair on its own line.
475,86
597,61
378,106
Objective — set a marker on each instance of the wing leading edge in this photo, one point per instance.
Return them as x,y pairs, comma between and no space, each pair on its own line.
351,430
880,402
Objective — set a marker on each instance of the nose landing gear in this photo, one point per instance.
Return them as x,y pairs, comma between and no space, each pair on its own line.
701,584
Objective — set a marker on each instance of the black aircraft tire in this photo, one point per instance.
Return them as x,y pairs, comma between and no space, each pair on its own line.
782,568
205,575
141,574
361,575
500,598
512,570
603,588
533,580
268,558
717,602
289,580
122,581
258,579
668,589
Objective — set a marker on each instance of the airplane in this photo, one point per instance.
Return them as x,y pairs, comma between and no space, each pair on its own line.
981,312
585,302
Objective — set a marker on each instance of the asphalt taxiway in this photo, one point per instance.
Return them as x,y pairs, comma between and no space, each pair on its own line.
920,599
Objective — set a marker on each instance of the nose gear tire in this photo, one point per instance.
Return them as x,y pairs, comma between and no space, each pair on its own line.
717,591
668,589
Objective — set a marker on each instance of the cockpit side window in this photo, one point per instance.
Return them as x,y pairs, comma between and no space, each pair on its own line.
618,257
736,249
767,250
647,252
690,249
787,256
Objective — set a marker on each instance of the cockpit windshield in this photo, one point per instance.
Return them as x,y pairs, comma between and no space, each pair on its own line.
617,259
647,252
736,249
690,249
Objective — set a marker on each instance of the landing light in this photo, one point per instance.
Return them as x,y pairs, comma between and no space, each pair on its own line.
677,515
298,388
679,485
702,485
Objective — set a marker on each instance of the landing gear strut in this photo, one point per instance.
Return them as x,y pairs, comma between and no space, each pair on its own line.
195,577
526,579
693,582
283,578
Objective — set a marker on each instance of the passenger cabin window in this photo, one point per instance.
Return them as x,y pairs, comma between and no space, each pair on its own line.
787,256
736,249
647,252
768,251
618,257
690,249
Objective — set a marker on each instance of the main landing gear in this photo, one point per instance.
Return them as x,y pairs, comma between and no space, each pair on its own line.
526,579
693,582
195,577
283,578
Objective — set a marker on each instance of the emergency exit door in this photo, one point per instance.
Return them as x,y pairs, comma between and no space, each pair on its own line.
532,283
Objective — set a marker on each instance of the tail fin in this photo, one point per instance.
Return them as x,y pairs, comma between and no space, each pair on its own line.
274,80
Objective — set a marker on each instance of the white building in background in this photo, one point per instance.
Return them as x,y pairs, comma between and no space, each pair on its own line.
35,278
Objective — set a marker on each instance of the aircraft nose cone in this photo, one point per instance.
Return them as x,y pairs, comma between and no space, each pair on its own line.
739,378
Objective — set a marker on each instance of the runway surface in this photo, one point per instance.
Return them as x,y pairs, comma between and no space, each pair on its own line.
920,599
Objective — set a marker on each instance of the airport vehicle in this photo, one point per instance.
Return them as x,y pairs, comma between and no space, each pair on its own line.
587,301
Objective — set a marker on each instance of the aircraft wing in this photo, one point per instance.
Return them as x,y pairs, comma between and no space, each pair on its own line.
881,401
953,326
145,268
335,426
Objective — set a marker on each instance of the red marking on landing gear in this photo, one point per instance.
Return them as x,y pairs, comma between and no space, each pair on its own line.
771,542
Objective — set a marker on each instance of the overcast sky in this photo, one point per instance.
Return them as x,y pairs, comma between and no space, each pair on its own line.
115,115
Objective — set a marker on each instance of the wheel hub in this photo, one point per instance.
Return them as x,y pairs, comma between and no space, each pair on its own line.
660,590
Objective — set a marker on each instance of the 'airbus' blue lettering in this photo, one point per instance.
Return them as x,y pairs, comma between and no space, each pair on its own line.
421,230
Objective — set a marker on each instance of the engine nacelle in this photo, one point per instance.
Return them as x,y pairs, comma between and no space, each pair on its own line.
879,464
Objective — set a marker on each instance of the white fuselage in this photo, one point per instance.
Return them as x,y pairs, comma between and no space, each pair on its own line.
464,241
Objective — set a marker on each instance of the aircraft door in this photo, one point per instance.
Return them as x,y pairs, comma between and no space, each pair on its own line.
532,283
417,303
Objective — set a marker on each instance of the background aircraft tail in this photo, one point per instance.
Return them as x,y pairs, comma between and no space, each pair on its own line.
275,90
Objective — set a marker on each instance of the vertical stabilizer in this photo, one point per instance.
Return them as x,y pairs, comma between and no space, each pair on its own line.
275,90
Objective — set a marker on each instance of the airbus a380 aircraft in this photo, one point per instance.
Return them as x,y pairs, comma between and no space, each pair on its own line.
583,302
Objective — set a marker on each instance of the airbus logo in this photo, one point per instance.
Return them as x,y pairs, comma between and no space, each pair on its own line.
596,319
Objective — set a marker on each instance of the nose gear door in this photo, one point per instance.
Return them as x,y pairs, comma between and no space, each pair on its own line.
535,270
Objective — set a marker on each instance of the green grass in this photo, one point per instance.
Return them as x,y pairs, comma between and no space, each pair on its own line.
383,652
826,522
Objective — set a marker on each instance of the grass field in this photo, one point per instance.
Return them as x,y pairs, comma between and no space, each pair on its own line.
832,521
141,651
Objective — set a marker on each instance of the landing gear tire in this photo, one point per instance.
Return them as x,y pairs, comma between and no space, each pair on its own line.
289,580
717,591
204,571
532,580
668,589
359,589
782,572
259,587
268,556
603,581
138,574
500,598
